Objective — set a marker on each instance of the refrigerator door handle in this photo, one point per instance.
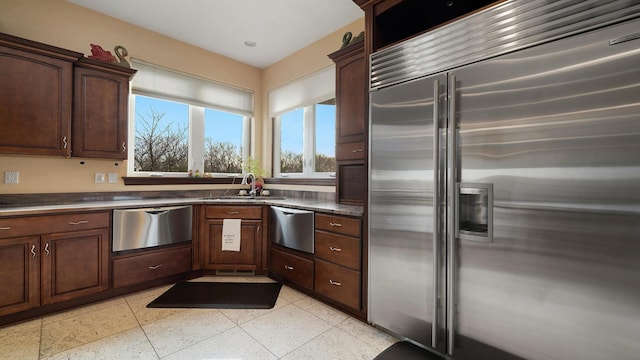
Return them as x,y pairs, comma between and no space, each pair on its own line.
452,166
436,213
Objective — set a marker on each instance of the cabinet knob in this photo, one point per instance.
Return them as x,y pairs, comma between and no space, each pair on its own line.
288,267
46,249
124,147
64,142
334,283
33,251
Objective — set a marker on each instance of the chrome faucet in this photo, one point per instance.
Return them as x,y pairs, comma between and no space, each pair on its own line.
252,193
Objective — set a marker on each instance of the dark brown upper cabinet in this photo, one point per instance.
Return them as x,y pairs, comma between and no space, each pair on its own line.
35,97
56,102
100,109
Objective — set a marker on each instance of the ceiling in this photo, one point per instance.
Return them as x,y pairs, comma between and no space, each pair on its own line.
278,27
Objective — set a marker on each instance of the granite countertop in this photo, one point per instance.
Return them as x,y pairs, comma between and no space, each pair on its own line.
292,202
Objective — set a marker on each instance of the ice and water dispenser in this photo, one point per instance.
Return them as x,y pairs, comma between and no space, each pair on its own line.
474,218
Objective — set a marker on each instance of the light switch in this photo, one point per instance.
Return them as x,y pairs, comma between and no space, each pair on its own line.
113,178
99,178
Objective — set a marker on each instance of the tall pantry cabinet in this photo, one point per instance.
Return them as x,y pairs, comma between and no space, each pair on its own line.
351,118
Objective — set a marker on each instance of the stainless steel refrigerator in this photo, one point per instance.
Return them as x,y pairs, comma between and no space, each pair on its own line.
504,194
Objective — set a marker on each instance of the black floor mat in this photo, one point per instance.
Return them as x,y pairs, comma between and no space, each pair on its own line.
219,295
406,351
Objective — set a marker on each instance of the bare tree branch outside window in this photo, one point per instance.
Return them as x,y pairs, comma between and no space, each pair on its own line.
222,157
159,147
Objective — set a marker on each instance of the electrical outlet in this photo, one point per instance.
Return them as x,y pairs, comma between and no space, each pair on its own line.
99,178
113,178
11,177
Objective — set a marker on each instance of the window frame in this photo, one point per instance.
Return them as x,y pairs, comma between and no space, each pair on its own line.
308,144
195,139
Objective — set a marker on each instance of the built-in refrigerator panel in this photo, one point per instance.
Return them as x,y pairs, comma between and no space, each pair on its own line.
556,130
404,259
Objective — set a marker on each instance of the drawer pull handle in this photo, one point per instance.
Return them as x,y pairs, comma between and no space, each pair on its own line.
233,212
155,267
64,142
288,267
46,249
33,251
5,228
334,249
334,283
79,222
124,147
357,150
335,224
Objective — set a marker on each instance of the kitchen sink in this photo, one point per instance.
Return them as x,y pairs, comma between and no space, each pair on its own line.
243,198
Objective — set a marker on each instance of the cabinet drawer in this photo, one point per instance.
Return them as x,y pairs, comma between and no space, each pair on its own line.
338,224
350,151
233,212
156,265
293,268
36,225
339,249
338,283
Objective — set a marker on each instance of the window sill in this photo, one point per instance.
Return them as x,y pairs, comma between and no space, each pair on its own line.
167,180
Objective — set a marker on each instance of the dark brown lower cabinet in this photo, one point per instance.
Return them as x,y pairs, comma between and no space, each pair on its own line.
251,238
19,274
52,258
333,272
245,259
74,264
337,283
150,265
292,267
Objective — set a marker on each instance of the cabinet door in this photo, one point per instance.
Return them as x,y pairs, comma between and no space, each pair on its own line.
35,103
338,283
245,259
351,94
74,264
100,114
19,274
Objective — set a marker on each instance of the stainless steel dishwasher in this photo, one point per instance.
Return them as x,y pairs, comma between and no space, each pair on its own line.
148,227
292,228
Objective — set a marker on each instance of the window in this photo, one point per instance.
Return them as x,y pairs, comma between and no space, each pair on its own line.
183,123
225,140
304,143
304,120
161,135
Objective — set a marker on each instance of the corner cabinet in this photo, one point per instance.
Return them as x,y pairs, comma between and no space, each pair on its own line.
50,259
251,238
35,97
351,123
100,109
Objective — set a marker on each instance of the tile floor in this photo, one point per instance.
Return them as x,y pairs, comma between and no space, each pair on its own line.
298,327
